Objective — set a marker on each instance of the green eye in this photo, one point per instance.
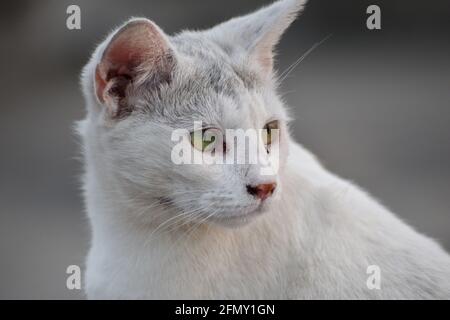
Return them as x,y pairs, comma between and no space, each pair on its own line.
201,140
268,135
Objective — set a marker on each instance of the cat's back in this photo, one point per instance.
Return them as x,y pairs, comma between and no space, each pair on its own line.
345,234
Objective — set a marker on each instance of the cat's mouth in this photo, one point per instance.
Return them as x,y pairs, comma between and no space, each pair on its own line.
236,220
223,217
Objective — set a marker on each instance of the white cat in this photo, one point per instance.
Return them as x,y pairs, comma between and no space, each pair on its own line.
161,230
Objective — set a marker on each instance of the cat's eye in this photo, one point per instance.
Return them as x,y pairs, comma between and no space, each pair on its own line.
268,133
203,139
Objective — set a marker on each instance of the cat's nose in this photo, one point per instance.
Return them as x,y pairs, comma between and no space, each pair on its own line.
262,191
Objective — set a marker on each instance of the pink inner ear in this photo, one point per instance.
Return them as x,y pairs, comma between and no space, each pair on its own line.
264,56
139,43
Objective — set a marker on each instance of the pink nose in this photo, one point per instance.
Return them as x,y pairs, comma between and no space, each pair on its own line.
262,191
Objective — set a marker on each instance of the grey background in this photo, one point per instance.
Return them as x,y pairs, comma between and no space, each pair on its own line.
373,105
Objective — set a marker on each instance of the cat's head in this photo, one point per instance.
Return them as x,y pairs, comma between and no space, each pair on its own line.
142,85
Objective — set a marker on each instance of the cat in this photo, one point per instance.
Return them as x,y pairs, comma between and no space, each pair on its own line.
161,230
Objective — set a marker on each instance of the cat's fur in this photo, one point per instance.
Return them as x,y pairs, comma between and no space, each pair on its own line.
314,238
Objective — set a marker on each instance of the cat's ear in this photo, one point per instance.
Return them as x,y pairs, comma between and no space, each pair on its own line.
259,32
138,53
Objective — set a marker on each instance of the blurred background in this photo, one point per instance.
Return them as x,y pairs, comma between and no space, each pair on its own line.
373,105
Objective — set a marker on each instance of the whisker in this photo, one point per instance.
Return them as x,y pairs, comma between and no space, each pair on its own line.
289,69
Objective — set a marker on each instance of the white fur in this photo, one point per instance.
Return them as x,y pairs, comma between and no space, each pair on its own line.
315,240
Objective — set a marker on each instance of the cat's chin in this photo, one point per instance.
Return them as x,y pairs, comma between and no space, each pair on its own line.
235,221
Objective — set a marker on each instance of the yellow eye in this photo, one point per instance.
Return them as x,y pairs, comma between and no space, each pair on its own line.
202,140
268,133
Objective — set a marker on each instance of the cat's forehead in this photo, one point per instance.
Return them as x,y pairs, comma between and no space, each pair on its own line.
207,86
213,62
212,100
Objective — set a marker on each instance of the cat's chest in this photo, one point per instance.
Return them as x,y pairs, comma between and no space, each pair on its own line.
175,271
